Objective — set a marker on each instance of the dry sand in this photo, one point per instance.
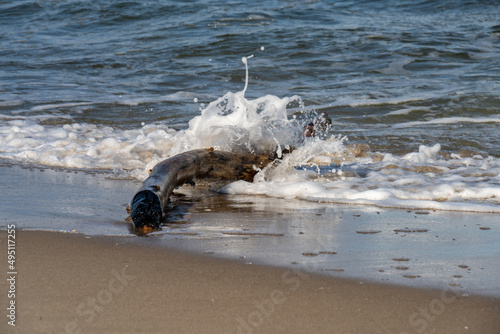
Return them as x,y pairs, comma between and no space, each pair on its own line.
71,283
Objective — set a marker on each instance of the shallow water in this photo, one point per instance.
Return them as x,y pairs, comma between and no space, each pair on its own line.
428,249
456,252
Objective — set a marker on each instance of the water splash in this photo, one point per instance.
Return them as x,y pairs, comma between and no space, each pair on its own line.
236,124
230,123
245,61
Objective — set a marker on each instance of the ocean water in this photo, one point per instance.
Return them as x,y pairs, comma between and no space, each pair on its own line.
118,86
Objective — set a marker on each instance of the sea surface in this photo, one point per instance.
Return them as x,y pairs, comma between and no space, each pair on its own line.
117,86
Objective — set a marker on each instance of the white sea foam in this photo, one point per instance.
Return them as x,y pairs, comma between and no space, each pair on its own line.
81,145
329,170
44,107
230,123
423,179
449,120
406,111
419,180
368,101
176,97
11,103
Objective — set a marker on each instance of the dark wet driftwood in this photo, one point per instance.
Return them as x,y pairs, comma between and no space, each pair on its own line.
147,206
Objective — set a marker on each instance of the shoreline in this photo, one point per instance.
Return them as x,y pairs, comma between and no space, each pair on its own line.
71,283
238,264
424,249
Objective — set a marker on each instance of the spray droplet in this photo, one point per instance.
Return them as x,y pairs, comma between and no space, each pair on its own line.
262,48
195,100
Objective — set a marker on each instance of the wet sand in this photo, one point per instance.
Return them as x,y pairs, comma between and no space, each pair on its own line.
71,283
443,249
226,264
425,249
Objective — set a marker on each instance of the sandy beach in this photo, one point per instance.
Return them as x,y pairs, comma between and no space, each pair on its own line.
70,283
226,265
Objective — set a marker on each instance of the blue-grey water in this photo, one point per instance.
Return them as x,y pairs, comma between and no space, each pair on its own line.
368,64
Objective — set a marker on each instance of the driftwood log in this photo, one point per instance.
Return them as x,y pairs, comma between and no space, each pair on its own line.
147,206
